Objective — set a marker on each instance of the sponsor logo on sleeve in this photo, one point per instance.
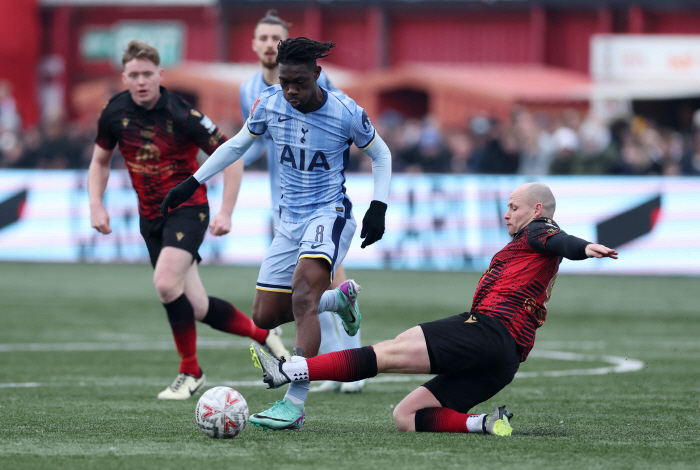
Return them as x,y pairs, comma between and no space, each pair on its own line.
208,124
254,105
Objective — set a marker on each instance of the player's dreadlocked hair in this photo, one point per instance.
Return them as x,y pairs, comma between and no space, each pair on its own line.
271,17
301,50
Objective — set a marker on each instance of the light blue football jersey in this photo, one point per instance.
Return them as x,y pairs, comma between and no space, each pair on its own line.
249,92
311,150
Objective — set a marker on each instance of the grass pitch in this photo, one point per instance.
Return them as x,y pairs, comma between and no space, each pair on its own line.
84,349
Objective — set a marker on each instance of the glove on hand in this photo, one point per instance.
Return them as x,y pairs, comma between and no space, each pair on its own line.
373,223
179,194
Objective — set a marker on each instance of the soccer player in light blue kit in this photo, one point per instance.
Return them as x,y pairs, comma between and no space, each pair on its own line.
312,130
270,30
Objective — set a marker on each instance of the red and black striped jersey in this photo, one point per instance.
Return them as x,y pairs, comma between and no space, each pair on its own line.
159,145
519,281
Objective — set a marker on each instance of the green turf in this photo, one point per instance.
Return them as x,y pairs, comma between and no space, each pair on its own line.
96,408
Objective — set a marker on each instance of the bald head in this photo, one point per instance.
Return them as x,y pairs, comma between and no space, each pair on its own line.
527,203
534,193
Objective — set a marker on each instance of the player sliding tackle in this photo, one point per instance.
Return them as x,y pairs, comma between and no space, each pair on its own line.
312,130
475,354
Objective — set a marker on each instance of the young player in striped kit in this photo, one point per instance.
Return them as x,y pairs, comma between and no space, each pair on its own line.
313,130
270,30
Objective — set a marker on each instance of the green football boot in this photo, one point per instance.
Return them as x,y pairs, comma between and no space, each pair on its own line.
498,422
283,415
348,307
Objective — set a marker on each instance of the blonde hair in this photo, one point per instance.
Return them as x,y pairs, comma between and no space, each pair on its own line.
142,51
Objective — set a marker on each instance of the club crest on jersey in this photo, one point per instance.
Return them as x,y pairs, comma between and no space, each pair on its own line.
318,161
303,131
365,120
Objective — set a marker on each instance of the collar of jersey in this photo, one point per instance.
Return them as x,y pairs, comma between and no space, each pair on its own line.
323,103
546,220
159,104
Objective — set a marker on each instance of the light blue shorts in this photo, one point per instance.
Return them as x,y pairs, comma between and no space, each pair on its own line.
325,236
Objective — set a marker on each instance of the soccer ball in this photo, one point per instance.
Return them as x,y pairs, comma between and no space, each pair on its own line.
222,413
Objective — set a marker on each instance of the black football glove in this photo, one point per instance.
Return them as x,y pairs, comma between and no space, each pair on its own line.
373,223
179,194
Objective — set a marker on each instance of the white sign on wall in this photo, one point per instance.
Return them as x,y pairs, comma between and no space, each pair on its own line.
632,57
169,37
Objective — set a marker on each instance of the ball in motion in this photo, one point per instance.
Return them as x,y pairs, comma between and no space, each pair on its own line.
222,413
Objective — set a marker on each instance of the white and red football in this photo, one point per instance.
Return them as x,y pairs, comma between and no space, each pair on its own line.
222,413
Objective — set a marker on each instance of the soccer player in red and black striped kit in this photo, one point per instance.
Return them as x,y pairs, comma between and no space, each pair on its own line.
159,135
474,354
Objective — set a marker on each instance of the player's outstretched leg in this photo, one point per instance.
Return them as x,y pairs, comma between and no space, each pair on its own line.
273,375
348,306
223,316
284,414
498,422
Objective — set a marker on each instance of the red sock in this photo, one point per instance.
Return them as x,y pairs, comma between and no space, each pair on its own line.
344,366
181,318
441,420
225,317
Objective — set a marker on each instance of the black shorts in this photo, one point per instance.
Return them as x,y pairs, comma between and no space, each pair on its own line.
184,228
473,354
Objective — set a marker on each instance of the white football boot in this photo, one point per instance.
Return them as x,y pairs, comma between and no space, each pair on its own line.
353,387
183,387
273,345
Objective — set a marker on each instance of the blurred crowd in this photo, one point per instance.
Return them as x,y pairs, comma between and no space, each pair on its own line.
527,143
541,144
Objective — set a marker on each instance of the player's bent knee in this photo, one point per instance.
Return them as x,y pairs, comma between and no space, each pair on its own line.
167,290
404,422
265,321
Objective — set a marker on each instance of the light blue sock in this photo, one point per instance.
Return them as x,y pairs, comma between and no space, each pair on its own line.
330,339
328,302
297,391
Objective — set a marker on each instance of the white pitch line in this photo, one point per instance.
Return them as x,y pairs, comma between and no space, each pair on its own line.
202,343
618,365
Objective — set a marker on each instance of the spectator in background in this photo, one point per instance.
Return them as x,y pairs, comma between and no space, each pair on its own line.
535,144
11,150
56,149
565,145
481,131
636,160
460,147
10,120
598,153
690,164
434,157
502,153
10,127
407,154
671,152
